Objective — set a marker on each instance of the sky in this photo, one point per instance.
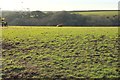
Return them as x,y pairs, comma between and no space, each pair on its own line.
59,5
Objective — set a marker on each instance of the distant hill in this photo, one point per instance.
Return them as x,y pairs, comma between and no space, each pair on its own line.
68,18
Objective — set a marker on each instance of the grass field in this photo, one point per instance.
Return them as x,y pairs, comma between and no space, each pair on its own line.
60,52
98,13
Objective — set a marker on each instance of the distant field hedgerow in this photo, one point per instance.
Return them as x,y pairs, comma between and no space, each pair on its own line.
60,53
66,18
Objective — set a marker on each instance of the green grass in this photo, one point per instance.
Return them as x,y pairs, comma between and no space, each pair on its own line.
99,13
60,52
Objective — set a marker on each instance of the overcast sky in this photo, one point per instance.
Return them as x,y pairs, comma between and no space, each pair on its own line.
56,5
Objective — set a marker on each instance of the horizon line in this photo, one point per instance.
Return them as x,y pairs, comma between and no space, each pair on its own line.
62,10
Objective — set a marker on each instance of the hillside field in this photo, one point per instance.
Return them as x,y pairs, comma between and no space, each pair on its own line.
60,52
98,13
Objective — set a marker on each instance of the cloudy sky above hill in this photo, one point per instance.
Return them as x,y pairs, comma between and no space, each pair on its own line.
58,5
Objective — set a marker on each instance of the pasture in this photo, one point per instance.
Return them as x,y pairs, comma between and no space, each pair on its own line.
60,52
98,13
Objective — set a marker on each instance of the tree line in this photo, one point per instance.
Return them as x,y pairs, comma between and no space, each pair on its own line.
66,18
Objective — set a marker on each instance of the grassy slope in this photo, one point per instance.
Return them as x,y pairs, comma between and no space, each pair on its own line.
100,13
60,52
